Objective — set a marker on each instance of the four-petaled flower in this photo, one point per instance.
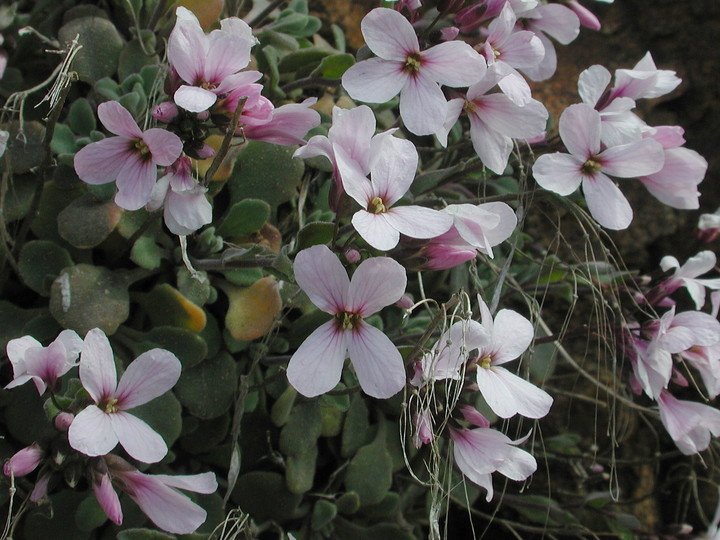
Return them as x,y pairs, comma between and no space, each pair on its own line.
316,366
98,428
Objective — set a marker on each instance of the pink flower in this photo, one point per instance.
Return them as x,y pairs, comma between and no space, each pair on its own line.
286,125
587,18
481,451
209,64
43,365
401,67
316,366
644,81
687,275
130,158
423,433
495,120
97,429
185,206
23,462
588,165
157,495
481,226
504,339
392,167
690,424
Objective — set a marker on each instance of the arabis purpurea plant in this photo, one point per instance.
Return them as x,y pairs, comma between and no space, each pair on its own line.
340,295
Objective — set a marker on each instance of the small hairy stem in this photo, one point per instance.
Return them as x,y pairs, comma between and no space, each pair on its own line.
309,82
260,17
220,264
225,146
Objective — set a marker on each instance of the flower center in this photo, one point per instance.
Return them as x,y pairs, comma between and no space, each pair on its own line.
347,320
376,206
207,85
109,406
496,53
591,166
470,107
141,147
485,362
413,63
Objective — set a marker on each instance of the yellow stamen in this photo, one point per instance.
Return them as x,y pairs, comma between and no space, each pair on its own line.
591,167
413,63
110,406
485,362
377,206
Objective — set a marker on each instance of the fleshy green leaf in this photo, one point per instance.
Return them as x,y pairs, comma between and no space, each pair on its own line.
40,262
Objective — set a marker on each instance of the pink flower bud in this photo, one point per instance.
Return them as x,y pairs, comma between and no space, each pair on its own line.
472,415
423,429
23,462
405,302
63,421
204,115
449,33
165,112
471,17
205,151
597,468
587,17
41,488
444,256
352,256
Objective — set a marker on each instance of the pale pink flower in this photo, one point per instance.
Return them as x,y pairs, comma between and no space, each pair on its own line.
683,169
644,81
40,489
580,127
106,497
286,125
495,120
401,67
157,495
505,338
511,49
98,428
481,451
691,425
447,251
706,360
24,462
709,226
587,18
687,275
316,366
209,64
43,365
423,433
185,206
131,158
392,167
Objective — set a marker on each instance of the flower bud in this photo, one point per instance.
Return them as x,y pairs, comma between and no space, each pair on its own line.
63,421
449,33
471,17
472,415
405,302
423,429
352,256
205,152
23,462
587,17
40,489
166,112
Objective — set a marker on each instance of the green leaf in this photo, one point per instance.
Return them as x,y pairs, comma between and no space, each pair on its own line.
356,428
166,306
61,520
89,514
108,88
304,58
101,46
542,510
244,217
54,199
132,57
164,415
345,530
14,320
81,117
317,232
207,390
300,470
19,195
333,67
348,503
188,346
302,430
84,297
323,513
24,415
39,264
146,253
370,471
86,222
265,171
63,141
281,409
207,435
265,497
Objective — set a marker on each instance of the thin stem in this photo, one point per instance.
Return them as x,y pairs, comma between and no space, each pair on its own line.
155,17
260,17
309,82
225,146
220,264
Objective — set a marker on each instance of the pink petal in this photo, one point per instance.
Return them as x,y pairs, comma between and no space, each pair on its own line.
377,282
454,109
352,129
197,483
507,394
630,160
514,85
374,80
186,212
118,120
546,67
592,84
518,464
194,98
580,130
227,54
675,184
393,162
453,63
506,225
187,47
316,366
323,278
164,146
389,35
108,499
101,162
558,172
354,180
606,202
418,221
512,335
492,147
72,342
506,117
376,230
97,366
522,49
16,349
377,362
149,376
135,183
557,21
422,105
92,433
169,509
138,439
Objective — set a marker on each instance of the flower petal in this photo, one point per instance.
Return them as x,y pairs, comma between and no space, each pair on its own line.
453,63
493,148
118,120
138,439
377,282
512,335
558,172
374,80
393,162
322,276
376,230
635,159
101,162
507,394
592,83
580,130
164,146
606,202
389,35
97,366
187,46
418,221
135,182
92,433
377,362
194,98
316,366
197,483
423,106
149,376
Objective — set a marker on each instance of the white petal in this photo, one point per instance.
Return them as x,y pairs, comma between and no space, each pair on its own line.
606,202
322,276
92,433
137,438
316,366
377,282
377,362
